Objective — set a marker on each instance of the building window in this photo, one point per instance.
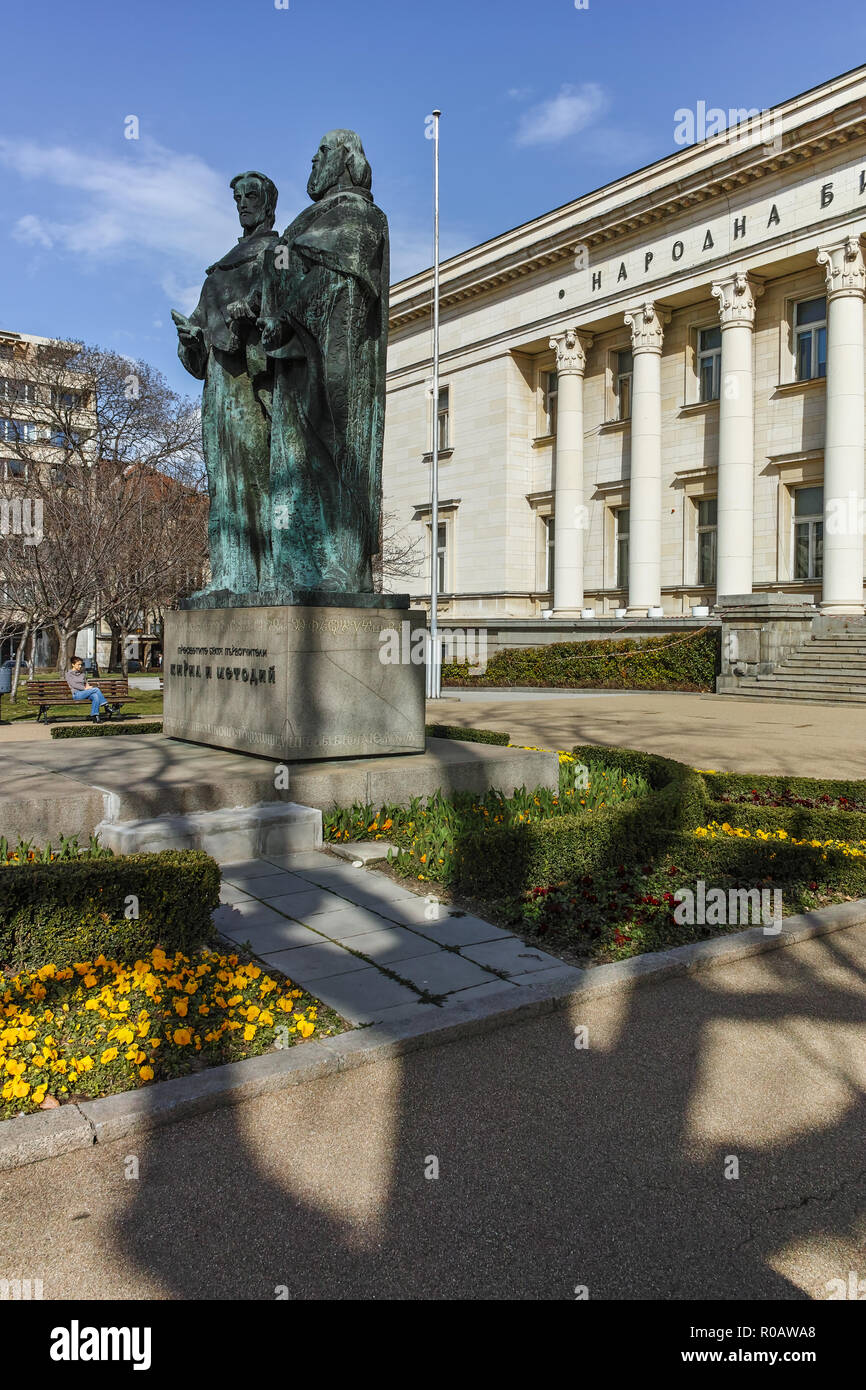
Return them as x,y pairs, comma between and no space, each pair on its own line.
549,553
443,412
64,439
15,431
709,363
551,395
12,469
624,372
66,400
14,390
621,520
707,530
810,327
808,532
441,556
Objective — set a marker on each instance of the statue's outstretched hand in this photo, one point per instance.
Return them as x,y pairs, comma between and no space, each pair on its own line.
186,331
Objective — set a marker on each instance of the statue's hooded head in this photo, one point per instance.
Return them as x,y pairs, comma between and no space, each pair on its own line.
256,200
339,162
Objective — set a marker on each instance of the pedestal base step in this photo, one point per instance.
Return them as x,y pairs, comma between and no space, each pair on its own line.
231,835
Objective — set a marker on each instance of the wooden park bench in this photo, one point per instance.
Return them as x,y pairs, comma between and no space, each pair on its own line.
57,692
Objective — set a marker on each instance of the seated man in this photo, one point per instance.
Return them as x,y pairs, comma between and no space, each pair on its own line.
77,682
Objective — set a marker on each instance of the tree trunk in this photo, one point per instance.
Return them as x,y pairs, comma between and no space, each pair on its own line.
16,674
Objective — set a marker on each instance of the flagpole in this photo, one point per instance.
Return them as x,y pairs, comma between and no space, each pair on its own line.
434,665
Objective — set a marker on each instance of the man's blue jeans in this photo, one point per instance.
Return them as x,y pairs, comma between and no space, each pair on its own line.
96,698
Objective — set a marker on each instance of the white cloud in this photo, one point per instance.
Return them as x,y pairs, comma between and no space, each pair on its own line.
570,111
32,231
153,199
168,211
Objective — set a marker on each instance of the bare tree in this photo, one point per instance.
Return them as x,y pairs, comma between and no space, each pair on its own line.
85,433
401,556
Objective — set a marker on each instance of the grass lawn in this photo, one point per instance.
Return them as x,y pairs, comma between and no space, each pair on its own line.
146,704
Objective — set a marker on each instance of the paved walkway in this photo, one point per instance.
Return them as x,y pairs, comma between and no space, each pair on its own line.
607,1167
370,948
724,733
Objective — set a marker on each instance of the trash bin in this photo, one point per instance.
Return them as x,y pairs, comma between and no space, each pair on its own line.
5,680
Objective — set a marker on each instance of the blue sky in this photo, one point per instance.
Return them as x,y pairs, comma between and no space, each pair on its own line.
102,235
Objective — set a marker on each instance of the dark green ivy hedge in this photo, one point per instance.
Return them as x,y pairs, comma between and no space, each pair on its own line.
673,662
467,735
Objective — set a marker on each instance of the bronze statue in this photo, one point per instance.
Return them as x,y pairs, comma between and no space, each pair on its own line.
324,324
220,344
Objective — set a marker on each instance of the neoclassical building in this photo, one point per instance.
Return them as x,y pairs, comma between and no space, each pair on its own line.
652,397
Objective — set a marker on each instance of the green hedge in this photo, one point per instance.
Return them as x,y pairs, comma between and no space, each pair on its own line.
74,911
466,735
677,662
804,822
103,730
498,862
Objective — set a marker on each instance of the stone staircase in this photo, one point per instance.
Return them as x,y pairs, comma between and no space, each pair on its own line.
825,670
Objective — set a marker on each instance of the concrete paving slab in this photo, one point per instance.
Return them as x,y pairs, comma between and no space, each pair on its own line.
461,931
278,885
246,869
361,997
349,922
441,972
304,964
415,911
566,976
392,945
230,894
309,903
364,850
272,933
511,956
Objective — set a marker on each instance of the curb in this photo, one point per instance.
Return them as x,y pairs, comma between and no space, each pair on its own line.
32,1138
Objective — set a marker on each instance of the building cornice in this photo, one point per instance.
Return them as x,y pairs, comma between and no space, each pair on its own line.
685,180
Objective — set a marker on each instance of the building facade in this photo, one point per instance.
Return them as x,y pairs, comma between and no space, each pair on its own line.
653,397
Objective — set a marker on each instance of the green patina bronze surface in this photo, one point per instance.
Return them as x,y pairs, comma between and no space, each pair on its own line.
290,338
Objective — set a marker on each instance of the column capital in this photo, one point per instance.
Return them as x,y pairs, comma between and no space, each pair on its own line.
737,296
571,348
646,322
844,268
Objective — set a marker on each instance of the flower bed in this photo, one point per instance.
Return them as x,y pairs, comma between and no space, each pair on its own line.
96,1027
430,832
597,874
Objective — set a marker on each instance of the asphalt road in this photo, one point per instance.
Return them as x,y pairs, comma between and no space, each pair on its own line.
558,1167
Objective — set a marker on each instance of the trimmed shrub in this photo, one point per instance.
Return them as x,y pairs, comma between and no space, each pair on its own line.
675,662
72,911
827,822
498,861
103,730
466,735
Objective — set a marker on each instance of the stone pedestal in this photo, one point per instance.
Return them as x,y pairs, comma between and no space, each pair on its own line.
758,632
296,683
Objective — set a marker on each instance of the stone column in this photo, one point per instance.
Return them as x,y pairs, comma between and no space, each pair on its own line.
736,482
569,513
645,500
844,435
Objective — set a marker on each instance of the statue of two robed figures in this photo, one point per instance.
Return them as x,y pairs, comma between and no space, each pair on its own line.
289,337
